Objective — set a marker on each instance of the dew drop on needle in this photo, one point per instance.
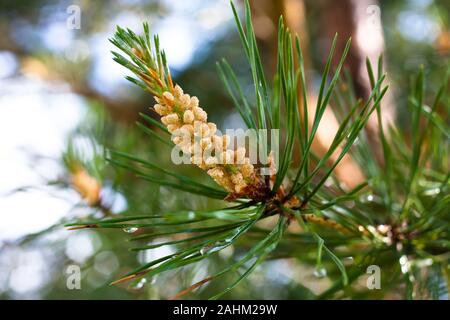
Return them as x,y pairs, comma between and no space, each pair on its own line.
130,229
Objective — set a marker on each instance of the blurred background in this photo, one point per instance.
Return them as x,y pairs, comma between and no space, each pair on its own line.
63,101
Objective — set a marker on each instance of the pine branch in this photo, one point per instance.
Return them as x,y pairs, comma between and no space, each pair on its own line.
399,214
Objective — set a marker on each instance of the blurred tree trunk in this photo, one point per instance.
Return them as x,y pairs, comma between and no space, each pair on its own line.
266,14
265,17
360,20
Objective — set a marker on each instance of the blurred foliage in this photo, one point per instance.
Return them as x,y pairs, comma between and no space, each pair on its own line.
289,271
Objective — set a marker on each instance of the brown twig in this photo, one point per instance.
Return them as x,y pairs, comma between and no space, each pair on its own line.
191,288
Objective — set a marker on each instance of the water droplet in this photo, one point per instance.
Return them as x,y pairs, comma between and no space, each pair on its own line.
140,284
405,264
367,198
349,260
383,229
219,245
320,272
432,192
191,215
229,240
130,229
350,204
427,109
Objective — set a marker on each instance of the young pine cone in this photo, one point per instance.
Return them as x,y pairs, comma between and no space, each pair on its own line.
187,122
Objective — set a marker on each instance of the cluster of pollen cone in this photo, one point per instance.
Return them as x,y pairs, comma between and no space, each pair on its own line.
197,138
